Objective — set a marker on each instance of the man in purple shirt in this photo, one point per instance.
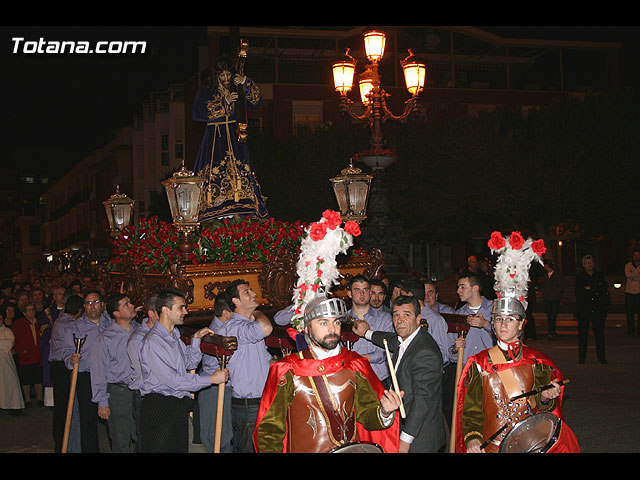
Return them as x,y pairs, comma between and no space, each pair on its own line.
359,291
208,397
111,373
90,324
478,311
249,364
431,298
166,383
133,351
60,375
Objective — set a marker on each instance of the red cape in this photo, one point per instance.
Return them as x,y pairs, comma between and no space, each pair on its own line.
568,443
388,438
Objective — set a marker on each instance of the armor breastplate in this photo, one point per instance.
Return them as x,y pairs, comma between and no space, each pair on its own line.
499,408
321,416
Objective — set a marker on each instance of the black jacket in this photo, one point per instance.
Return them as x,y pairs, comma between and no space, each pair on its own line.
419,374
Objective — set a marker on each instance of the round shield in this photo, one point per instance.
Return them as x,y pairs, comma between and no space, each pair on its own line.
535,434
359,448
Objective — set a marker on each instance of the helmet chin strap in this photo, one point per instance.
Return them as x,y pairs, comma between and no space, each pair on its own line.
513,348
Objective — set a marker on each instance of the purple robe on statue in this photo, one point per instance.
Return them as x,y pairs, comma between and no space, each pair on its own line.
231,186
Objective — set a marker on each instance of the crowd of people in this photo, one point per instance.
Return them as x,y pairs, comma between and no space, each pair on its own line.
137,373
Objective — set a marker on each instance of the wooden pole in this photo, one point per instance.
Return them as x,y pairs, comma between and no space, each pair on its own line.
392,370
219,411
72,395
454,416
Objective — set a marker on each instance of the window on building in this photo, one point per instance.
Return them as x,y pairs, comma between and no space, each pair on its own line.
164,150
179,150
306,114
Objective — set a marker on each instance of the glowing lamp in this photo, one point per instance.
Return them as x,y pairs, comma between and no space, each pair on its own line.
414,74
374,42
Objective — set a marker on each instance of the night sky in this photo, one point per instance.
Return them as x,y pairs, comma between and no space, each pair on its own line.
73,103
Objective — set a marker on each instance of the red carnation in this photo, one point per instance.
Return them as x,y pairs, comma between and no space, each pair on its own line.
538,247
352,228
516,241
317,231
333,218
496,242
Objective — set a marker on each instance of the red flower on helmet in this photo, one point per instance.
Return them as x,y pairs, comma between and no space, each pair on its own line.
538,247
318,231
496,242
352,228
516,241
333,218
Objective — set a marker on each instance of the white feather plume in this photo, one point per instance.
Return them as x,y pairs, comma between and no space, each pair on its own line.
512,267
317,268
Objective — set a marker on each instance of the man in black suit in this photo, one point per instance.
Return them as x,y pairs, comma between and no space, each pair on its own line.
418,364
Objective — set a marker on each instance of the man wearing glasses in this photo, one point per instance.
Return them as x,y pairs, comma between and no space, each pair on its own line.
88,326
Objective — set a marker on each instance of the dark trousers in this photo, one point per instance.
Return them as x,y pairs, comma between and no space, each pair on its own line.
61,381
551,307
137,401
632,305
595,321
244,413
448,390
122,426
164,424
88,415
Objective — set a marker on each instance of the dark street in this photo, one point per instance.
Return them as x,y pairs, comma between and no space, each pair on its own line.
599,401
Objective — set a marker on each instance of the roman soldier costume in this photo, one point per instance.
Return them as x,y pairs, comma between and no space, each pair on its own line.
490,380
319,400
328,403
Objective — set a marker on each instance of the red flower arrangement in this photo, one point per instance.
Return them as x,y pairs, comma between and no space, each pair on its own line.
152,245
375,152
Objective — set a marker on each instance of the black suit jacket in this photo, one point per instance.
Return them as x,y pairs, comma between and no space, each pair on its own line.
419,374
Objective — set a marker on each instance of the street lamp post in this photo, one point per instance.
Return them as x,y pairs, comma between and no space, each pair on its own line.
372,95
184,192
351,188
119,209
380,231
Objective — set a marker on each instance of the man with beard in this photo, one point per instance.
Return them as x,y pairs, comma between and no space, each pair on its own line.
324,397
166,382
231,186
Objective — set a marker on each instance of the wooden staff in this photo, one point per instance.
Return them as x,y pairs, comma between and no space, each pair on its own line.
392,370
456,324
217,437
222,348
72,394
